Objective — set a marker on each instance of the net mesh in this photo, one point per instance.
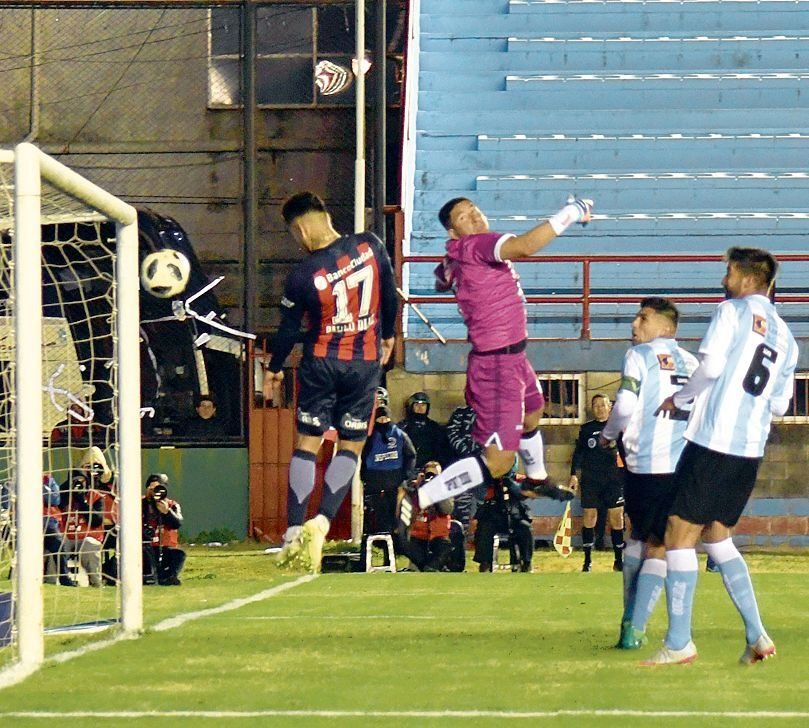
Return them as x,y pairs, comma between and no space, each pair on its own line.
80,417
55,205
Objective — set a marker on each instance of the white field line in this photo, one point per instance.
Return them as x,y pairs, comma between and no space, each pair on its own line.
468,714
181,619
17,673
344,618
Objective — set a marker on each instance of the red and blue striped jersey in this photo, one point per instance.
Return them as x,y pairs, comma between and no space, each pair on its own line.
345,295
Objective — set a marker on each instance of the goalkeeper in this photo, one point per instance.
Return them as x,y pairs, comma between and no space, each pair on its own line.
501,386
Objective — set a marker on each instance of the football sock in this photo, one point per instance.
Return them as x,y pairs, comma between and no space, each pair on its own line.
337,482
454,479
650,585
532,455
633,551
587,539
618,543
736,578
681,584
301,485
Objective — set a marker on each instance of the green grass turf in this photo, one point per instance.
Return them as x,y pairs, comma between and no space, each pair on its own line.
467,642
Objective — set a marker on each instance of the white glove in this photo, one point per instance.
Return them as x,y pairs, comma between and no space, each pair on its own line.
576,210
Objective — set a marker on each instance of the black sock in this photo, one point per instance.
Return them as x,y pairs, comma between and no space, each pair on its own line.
618,543
587,538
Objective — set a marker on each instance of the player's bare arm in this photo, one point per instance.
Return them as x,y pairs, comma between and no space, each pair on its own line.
539,237
387,350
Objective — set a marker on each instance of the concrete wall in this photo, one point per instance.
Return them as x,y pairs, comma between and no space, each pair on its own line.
782,475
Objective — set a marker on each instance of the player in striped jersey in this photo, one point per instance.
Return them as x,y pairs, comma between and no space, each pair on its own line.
654,368
745,376
345,289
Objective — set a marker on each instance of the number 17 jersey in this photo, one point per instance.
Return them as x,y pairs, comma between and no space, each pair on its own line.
345,296
759,354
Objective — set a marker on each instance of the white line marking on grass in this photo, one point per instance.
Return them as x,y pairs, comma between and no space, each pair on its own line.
181,619
471,714
360,617
17,673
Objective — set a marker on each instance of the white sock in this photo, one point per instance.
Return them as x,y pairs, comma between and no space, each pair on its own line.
291,534
454,479
533,456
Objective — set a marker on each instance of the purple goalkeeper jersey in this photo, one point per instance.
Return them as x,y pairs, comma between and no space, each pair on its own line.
488,291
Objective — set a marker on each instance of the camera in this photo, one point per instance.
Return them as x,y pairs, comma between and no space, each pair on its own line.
78,482
159,492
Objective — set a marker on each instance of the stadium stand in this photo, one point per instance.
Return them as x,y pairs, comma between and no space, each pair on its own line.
684,121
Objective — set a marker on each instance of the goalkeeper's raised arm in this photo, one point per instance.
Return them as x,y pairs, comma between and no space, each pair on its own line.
525,245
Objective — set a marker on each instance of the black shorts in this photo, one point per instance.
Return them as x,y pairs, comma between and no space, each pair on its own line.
608,493
339,394
648,499
713,486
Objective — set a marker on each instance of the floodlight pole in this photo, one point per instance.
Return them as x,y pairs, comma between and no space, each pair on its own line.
359,164
250,183
359,223
381,104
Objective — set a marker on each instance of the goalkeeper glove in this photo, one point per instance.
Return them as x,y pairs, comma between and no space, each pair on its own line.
575,211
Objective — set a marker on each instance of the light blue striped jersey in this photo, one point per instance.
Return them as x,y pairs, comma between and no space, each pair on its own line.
759,353
653,371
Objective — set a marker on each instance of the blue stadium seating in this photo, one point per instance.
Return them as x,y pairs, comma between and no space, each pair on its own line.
687,122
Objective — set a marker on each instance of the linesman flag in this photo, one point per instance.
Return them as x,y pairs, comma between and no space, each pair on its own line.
561,541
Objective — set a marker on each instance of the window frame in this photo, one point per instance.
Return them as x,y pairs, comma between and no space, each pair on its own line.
580,394
345,99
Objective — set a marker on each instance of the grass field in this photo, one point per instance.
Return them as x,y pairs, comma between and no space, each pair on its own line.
422,649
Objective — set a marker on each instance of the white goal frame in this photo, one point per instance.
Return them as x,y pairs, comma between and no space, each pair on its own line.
31,166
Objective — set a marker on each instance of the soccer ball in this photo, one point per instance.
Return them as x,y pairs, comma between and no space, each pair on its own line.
165,273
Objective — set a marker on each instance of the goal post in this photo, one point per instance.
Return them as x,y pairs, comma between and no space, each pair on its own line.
31,169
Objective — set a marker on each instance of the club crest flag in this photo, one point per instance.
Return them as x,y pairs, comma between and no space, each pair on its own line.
561,541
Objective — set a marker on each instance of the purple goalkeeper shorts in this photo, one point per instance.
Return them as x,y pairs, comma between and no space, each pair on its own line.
501,388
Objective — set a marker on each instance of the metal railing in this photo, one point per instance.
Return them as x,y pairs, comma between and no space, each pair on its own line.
586,298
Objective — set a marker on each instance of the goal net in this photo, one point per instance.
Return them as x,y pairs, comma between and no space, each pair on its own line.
70,558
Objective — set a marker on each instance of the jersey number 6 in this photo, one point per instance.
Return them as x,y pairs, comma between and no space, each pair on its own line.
757,373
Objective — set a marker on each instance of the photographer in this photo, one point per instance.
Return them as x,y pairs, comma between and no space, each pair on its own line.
428,545
162,517
82,522
102,496
504,511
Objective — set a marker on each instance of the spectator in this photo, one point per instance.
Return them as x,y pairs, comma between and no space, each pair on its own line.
163,560
601,483
428,437
504,511
388,459
428,546
206,425
53,540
